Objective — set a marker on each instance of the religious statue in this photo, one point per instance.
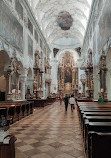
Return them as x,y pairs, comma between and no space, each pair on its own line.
36,60
28,94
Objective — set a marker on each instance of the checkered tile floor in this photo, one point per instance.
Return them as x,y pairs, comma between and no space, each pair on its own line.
49,132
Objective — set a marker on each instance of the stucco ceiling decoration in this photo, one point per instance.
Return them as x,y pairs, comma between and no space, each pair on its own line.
48,14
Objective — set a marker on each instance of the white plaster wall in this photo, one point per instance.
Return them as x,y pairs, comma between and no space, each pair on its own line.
54,81
80,72
2,84
96,81
46,90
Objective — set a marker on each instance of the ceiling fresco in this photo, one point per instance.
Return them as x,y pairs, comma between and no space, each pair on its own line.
64,20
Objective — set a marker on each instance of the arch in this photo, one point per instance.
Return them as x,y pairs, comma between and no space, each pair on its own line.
37,3
56,33
74,34
53,11
4,63
61,54
108,76
52,25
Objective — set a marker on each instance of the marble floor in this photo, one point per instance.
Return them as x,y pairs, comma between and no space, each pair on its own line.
49,132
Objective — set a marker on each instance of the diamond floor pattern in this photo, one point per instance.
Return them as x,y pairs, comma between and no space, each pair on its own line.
49,132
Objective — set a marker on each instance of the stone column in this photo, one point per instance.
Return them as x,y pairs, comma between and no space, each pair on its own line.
35,83
103,71
9,82
38,79
17,82
30,84
7,76
54,81
86,77
23,79
62,79
83,85
23,84
87,82
83,89
104,84
73,79
83,81
96,80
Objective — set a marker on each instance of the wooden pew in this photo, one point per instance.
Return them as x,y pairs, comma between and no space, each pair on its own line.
96,104
97,127
83,112
84,99
97,118
16,110
87,119
92,106
99,145
51,99
39,102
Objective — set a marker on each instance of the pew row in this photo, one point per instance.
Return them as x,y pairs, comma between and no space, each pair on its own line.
15,110
42,102
95,117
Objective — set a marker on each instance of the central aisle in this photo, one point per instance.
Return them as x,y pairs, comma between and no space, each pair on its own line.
49,132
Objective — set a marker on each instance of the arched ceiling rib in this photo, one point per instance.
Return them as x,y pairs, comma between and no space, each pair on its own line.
54,12
71,35
47,12
51,29
51,24
46,20
66,34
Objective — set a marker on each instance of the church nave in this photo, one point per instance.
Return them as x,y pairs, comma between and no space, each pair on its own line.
49,132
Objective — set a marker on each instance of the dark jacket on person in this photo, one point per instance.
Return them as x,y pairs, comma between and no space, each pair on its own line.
66,99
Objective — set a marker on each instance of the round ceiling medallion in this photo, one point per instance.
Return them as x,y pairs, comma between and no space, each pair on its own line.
64,20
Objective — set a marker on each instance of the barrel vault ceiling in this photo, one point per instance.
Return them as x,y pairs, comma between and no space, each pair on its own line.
52,14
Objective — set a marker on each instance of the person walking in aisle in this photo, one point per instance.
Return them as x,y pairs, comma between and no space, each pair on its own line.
72,102
66,101
60,98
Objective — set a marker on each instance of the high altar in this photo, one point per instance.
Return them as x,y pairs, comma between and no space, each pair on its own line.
68,75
